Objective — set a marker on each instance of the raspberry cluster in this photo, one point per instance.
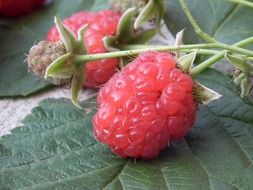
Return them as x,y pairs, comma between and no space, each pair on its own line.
144,107
100,24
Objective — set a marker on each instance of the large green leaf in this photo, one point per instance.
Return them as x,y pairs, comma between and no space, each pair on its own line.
55,149
18,35
225,21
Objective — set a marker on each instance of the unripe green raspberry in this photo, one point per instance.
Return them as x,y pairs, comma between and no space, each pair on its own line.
42,55
122,5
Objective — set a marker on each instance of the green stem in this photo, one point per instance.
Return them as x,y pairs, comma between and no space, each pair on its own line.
207,37
244,42
199,50
249,58
191,47
207,63
92,57
196,27
243,2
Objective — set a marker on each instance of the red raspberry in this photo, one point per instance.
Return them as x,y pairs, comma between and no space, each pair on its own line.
100,24
145,106
12,8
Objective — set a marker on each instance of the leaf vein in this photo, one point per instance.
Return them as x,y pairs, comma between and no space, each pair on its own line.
234,140
68,178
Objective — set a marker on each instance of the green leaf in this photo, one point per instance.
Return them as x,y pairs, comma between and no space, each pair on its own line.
18,35
225,21
55,149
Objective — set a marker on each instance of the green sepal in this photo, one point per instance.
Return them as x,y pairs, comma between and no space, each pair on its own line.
179,41
124,31
67,36
126,34
61,68
153,9
179,38
110,43
237,79
238,62
79,47
185,62
245,87
76,85
204,95
67,66
144,37
125,27
244,72
72,44
243,81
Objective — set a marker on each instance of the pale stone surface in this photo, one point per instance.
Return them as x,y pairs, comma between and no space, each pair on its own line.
13,111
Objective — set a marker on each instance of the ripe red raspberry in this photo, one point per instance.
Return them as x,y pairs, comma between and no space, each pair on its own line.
100,24
12,8
144,107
